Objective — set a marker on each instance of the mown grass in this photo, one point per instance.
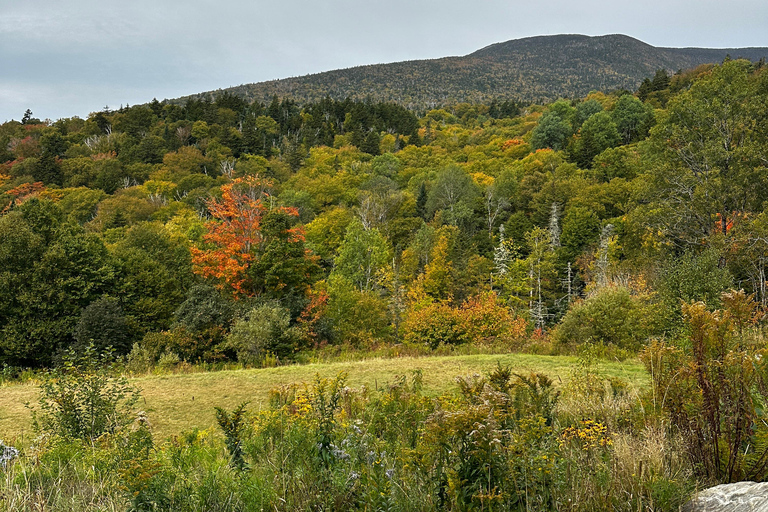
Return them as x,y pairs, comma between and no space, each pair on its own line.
178,402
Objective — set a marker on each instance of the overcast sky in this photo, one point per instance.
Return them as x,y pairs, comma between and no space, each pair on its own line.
69,58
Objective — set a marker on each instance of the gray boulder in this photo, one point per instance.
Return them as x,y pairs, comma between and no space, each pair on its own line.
738,497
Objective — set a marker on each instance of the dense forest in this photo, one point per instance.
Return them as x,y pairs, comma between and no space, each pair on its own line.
229,231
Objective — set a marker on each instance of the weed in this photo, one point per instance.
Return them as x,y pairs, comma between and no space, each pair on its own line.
232,424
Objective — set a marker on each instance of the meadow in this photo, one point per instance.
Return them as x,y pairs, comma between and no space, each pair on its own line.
462,432
183,401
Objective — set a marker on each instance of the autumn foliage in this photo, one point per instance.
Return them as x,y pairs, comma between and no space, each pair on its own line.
480,319
234,235
22,192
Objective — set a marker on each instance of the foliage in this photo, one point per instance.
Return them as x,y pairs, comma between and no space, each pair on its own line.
612,315
711,155
232,424
693,277
264,330
714,390
131,218
103,325
361,256
481,319
82,399
237,238
552,131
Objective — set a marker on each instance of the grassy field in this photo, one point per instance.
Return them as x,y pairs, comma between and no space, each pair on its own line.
179,402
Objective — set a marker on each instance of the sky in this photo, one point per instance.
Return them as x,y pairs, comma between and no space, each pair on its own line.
65,59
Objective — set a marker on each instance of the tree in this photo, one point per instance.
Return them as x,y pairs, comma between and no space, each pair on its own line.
587,109
102,324
234,234
362,255
497,198
282,267
597,134
542,275
708,154
551,132
453,193
50,273
203,310
633,119
371,143
581,228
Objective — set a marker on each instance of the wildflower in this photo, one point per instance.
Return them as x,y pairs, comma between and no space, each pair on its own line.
7,454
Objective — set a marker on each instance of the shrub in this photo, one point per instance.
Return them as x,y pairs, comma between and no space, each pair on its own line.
480,319
264,330
434,324
179,344
612,316
83,399
715,390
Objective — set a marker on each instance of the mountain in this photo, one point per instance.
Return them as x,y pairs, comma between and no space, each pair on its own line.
533,69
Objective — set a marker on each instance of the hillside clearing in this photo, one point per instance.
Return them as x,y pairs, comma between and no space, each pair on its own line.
180,402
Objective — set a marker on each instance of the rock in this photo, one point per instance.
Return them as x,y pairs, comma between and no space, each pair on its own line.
737,497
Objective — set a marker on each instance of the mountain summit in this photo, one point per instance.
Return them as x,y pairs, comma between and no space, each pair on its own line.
541,68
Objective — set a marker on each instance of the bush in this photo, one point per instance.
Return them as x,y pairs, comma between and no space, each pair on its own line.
612,316
691,277
434,324
714,391
83,399
481,319
264,330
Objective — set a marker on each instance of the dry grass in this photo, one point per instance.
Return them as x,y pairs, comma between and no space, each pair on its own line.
180,402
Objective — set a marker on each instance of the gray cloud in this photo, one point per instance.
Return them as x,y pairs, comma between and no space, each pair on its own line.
62,59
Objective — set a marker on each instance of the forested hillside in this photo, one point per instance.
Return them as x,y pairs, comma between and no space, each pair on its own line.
225,230
536,69
232,234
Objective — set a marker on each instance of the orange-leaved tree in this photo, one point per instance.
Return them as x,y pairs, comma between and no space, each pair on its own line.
234,236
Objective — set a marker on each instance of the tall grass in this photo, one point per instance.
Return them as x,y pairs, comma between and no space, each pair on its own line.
500,440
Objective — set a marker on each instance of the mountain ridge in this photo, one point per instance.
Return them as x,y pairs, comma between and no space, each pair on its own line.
531,69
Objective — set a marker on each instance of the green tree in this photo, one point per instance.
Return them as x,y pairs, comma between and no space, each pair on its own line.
633,119
453,192
587,109
361,256
204,309
282,266
552,131
102,325
581,228
695,276
708,154
597,134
